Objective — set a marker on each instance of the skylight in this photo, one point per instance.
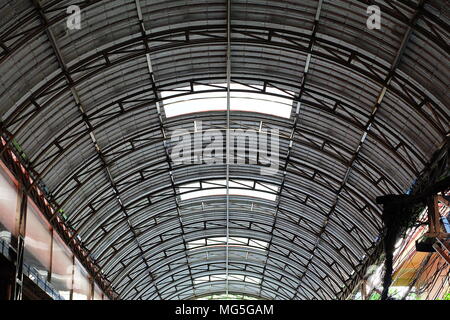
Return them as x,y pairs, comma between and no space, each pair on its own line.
231,277
232,242
198,101
247,188
227,297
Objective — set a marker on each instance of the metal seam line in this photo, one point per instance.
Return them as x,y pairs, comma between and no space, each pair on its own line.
228,142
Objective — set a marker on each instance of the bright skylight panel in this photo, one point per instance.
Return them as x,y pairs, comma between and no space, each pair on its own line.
216,241
218,277
194,102
198,101
237,241
223,277
261,103
202,193
253,193
201,279
266,187
258,244
237,188
252,280
232,241
241,184
196,243
235,277
192,105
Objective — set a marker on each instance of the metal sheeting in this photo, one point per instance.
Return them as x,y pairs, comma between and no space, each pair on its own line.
105,164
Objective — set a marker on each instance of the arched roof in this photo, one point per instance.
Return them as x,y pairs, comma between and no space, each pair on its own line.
87,108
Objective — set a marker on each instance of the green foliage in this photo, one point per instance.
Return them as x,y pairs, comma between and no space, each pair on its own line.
19,149
375,296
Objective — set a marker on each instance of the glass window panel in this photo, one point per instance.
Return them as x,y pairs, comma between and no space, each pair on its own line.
62,267
8,204
81,285
196,243
97,293
37,241
252,280
233,241
248,101
237,188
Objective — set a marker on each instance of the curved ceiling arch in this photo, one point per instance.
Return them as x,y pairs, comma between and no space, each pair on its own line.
167,210
272,280
379,139
144,196
199,264
331,58
207,292
88,114
157,248
158,140
31,101
272,267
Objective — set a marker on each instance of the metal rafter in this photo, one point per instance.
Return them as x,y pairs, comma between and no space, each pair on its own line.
405,154
297,115
368,126
98,149
228,146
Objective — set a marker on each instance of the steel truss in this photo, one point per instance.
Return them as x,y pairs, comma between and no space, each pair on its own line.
323,229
